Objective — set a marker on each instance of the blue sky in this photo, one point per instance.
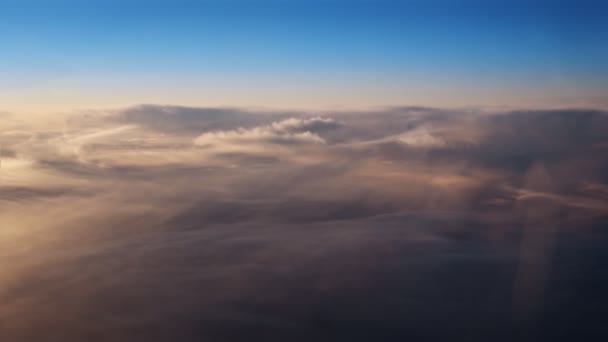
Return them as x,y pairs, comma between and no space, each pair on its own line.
300,53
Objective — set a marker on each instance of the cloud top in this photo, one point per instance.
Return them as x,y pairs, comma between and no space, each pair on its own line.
161,223
288,131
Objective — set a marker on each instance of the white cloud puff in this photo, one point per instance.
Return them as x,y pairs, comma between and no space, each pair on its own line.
420,138
289,131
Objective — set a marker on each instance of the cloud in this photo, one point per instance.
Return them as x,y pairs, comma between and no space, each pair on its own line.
282,226
20,193
191,120
75,144
295,125
421,138
289,131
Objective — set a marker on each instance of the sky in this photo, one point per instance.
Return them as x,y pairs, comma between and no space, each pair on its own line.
69,54
231,171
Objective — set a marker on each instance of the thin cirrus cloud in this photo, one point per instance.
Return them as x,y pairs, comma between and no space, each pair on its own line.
164,223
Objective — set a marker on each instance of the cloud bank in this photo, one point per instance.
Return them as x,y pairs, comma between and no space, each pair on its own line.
164,223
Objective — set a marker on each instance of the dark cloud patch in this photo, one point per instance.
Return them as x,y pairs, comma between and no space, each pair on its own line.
75,168
373,125
293,210
517,140
7,153
22,193
240,159
297,211
392,278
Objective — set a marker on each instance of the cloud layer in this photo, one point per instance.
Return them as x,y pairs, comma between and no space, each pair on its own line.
161,223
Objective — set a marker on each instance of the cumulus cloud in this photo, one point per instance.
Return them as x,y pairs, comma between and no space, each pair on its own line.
289,131
293,125
283,226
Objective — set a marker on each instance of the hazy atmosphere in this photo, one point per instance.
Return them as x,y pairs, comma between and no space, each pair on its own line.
303,171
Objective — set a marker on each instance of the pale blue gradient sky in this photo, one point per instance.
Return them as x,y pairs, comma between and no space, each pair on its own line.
62,55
